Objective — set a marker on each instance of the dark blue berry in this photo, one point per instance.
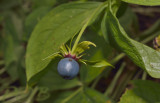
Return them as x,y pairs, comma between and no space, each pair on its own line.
68,68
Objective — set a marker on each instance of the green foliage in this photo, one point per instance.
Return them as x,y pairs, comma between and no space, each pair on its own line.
32,19
101,52
41,3
142,55
142,92
13,50
144,2
85,96
36,34
55,29
57,82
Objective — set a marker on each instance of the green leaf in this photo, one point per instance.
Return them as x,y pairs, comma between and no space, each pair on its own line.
13,50
57,97
33,18
54,81
143,92
100,63
56,28
144,2
81,47
86,96
41,3
142,55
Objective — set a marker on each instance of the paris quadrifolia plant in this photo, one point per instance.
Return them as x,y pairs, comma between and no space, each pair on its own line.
68,66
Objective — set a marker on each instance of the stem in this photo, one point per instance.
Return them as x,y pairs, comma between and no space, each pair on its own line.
122,85
72,95
30,98
95,82
17,99
2,71
137,75
113,84
150,37
117,58
9,95
144,76
85,26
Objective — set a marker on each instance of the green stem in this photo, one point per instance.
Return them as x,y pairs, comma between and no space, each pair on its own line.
150,37
122,85
114,81
9,95
137,75
117,58
30,98
72,95
17,99
85,26
2,71
144,76
96,81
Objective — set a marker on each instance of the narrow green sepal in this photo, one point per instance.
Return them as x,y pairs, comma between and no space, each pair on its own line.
81,47
100,63
82,61
54,56
63,50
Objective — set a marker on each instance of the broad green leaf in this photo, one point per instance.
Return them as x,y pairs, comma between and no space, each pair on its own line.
33,18
54,81
144,2
142,92
142,55
42,3
56,28
57,97
86,96
81,47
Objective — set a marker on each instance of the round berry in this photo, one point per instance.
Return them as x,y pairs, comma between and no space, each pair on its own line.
68,68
